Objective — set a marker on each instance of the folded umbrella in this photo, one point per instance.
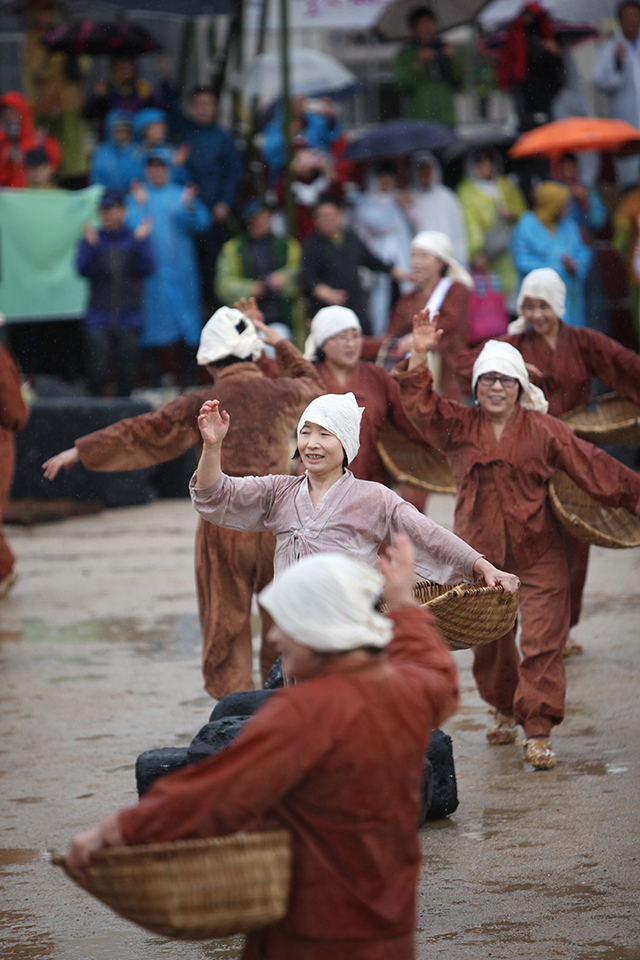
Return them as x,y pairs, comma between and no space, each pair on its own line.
397,138
575,135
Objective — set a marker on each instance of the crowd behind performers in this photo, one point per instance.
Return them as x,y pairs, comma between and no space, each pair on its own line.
195,232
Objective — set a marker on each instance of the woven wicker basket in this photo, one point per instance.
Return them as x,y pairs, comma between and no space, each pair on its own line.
411,463
611,420
590,520
468,615
196,889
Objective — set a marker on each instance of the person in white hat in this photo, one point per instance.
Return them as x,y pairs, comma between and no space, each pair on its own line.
334,346
503,452
564,361
442,285
336,759
230,567
326,508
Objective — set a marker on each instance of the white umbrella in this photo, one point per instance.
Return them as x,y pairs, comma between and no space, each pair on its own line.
312,74
393,24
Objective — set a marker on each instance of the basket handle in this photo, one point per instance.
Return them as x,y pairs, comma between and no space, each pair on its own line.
57,859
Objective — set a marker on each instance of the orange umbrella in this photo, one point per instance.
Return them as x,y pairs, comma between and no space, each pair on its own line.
576,134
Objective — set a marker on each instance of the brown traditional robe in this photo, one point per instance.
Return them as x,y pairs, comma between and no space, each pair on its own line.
230,565
454,320
567,372
338,762
502,510
14,414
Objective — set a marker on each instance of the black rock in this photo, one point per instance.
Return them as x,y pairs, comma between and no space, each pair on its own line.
241,704
275,677
444,800
153,764
214,737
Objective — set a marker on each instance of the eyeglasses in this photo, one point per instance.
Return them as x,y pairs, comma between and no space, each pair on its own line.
349,336
488,380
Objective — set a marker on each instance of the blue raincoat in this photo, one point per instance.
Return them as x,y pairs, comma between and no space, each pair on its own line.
534,246
141,121
113,165
172,295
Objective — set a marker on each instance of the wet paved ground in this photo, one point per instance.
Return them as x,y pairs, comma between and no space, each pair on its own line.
99,655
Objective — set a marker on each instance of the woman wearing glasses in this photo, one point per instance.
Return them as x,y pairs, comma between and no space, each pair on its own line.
563,361
502,453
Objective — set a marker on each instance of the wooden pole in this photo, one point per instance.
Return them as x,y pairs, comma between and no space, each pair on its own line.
286,115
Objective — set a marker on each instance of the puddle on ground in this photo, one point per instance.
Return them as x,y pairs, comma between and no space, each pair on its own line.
26,799
589,768
30,945
10,857
174,637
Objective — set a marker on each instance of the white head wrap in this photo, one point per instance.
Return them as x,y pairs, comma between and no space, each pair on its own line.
499,357
440,246
228,333
329,322
327,602
339,414
543,284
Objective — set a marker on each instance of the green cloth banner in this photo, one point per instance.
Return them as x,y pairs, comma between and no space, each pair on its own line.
39,234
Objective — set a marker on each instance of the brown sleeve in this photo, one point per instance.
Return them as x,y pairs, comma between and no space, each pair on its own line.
14,412
145,440
396,413
401,322
371,348
617,367
602,476
440,422
291,363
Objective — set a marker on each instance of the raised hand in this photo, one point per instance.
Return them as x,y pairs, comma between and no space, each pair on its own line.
213,423
426,335
249,308
396,567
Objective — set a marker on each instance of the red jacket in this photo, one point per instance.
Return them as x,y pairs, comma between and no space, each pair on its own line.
338,761
13,150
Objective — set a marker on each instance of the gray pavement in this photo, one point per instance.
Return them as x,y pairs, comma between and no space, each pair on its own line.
99,660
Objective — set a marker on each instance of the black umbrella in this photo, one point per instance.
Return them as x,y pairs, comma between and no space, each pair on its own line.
485,141
397,138
97,38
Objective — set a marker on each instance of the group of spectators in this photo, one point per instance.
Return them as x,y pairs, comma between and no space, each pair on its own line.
182,229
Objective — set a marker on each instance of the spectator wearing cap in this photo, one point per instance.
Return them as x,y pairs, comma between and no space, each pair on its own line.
427,71
172,295
260,264
115,260
114,164
214,165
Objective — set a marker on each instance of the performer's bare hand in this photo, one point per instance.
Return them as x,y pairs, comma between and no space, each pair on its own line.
213,423
426,336
249,308
267,333
494,577
396,567
83,845
66,460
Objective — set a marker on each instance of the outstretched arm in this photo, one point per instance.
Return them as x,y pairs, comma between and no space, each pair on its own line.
66,459
213,425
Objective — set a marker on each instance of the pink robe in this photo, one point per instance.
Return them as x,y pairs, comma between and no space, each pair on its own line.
354,517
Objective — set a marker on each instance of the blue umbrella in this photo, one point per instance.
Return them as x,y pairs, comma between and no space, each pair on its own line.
396,138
